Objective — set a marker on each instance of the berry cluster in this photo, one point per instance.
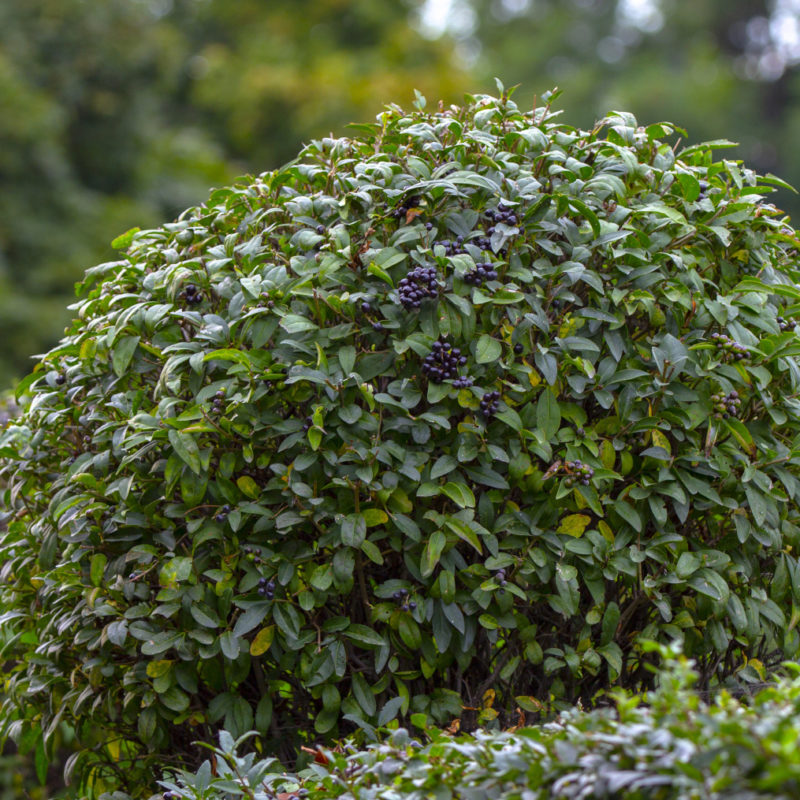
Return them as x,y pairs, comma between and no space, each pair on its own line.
502,214
577,472
401,211
453,248
500,577
731,350
463,382
191,295
490,402
726,405
786,324
223,513
442,362
252,554
419,283
219,399
266,588
401,596
300,793
482,272
308,422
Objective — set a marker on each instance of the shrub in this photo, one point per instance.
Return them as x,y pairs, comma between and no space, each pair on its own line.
667,745
459,406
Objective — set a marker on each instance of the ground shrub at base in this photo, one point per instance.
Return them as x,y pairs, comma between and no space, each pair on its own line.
450,410
666,745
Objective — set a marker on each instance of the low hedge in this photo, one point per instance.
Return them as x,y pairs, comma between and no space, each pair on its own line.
666,744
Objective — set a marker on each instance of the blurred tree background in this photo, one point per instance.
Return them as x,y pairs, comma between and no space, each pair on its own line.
120,113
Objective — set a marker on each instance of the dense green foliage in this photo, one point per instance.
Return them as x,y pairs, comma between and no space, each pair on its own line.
462,405
667,745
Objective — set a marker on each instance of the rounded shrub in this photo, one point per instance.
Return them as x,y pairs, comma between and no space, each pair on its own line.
433,420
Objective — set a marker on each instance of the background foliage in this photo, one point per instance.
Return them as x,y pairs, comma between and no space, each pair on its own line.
120,113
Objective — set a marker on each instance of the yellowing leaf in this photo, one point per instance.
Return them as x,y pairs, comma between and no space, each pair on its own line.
758,666
157,668
535,378
529,703
262,641
574,524
374,517
248,487
607,454
314,438
399,501
660,440
488,698
605,529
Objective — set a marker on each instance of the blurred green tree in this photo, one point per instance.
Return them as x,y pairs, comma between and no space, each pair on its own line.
724,68
122,112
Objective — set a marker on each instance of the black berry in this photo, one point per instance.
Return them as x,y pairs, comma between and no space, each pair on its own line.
442,363
419,283
490,404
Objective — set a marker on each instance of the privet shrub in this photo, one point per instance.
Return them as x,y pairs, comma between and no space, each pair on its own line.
668,745
452,409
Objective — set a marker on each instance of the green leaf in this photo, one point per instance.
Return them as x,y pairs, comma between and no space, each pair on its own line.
41,762
709,583
548,414
203,616
409,632
123,242
363,694
367,637
123,354
433,551
444,465
294,323
487,349
228,354
460,494
372,551
186,448
687,565
97,568
251,618
354,530
347,360
229,644
389,711
742,435
374,269
175,571
463,531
